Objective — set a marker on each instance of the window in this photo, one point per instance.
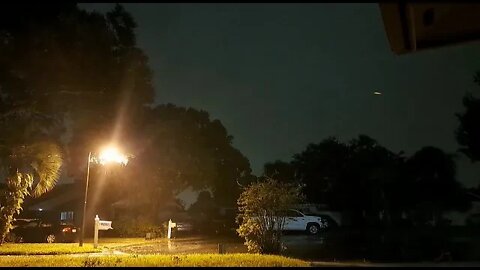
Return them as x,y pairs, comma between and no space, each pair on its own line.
292,213
68,215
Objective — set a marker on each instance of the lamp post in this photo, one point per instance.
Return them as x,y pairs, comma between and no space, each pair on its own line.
82,231
106,156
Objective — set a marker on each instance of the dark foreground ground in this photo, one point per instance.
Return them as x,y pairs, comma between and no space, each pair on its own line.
380,246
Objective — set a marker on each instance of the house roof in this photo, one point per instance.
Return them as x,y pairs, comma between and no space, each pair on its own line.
60,194
132,202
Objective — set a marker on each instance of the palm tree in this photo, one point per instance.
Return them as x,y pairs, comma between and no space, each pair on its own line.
30,161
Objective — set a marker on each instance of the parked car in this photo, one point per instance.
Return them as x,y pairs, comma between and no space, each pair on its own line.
298,221
315,210
40,231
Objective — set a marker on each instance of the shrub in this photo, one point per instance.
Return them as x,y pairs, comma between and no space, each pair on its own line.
139,227
260,205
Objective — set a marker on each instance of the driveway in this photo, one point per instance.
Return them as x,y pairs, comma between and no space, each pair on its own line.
183,245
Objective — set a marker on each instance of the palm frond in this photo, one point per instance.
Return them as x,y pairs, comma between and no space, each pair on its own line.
46,162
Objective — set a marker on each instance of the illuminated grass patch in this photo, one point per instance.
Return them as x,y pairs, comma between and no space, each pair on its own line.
45,249
205,260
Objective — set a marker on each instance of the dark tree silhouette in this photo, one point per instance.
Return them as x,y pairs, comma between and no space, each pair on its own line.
82,68
283,172
359,177
434,185
468,132
179,147
320,167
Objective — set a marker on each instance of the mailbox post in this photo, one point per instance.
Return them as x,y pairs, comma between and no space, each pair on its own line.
95,234
101,225
170,226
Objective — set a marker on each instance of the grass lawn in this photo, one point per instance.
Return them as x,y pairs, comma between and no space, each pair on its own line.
66,248
203,260
45,249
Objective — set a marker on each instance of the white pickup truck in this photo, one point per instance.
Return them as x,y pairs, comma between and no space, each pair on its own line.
297,221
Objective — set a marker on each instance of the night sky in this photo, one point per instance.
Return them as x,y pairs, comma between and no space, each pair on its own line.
280,76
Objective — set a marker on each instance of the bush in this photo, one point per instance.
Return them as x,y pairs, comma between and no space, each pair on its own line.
260,223
139,227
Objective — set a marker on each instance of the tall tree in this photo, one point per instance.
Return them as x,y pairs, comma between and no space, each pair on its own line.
280,170
468,132
372,171
435,188
179,148
81,69
30,161
355,177
320,167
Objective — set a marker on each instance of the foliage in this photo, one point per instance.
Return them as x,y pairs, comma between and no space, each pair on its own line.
368,182
70,69
12,199
31,170
468,131
355,177
280,170
80,68
139,227
260,207
320,167
180,147
436,190
201,260
203,211
85,71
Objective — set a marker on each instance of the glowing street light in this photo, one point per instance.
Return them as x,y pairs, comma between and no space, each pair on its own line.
108,155
111,154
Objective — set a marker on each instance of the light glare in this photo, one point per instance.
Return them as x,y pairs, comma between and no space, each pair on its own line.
112,155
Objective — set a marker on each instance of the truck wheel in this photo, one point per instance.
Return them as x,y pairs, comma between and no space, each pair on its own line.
313,228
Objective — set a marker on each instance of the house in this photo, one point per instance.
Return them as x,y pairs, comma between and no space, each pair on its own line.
62,203
132,206
129,208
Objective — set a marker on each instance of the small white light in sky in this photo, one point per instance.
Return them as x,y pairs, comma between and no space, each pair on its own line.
40,209
377,93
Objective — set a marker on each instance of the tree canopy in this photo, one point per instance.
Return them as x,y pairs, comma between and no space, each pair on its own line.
80,77
372,183
179,147
81,68
468,131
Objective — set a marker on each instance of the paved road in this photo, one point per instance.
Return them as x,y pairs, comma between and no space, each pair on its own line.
420,264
